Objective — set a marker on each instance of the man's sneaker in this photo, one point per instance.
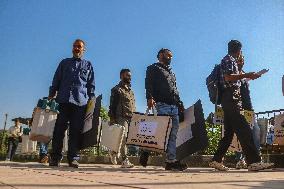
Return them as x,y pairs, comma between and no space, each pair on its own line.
44,159
74,164
7,159
143,160
218,166
260,166
241,165
126,164
113,157
175,166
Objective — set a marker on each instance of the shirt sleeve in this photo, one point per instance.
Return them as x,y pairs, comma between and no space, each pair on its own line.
114,99
56,80
180,103
91,83
149,83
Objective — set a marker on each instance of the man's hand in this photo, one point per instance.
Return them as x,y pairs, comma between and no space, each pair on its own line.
50,97
253,75
91,102
112,121
181,108
151,103
181,112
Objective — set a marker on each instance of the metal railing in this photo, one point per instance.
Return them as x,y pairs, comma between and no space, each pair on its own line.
268,113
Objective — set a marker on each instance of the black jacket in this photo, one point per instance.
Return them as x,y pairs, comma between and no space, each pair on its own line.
160,84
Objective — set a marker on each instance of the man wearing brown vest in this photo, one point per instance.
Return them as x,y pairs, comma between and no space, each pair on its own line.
122,106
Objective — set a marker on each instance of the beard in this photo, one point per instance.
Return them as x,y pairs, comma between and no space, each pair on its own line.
167,61
77,54
127,81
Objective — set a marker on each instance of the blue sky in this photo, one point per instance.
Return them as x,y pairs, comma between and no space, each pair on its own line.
36,35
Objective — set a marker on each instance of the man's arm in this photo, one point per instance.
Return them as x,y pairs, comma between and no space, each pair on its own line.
149,87
229,70
21,131
91,83
180,105
178,100
56,81
236,77
114,99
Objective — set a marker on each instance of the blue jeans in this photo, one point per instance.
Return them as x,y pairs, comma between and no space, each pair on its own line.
256,139
43,149
172,111
12,147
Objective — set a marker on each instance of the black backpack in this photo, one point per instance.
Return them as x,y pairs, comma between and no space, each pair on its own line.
213,82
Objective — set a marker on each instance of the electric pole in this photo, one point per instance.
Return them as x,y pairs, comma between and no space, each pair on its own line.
6,116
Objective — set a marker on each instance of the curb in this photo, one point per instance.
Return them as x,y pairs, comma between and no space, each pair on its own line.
191,161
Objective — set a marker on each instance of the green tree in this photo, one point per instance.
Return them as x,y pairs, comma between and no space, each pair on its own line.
3,142
104,114
214,136
214,133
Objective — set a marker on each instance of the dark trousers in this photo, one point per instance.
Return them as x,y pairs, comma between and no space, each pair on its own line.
12,147
71,116
234,122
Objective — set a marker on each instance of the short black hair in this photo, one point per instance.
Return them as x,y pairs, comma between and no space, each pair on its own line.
79,40
234,46
124,70
162,50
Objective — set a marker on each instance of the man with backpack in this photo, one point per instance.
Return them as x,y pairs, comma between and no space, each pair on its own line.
229,96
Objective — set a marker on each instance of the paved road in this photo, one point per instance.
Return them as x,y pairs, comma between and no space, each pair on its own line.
37,176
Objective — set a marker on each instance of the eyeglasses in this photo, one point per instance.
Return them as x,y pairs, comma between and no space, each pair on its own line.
77,46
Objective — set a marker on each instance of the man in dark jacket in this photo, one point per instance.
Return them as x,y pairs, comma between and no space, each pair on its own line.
162,94
73,86
122,106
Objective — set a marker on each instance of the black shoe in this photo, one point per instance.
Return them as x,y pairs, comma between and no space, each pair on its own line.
175,166
54,163
74,164
143,160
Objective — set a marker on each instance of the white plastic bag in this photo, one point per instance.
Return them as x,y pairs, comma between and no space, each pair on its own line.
112,136
43,125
